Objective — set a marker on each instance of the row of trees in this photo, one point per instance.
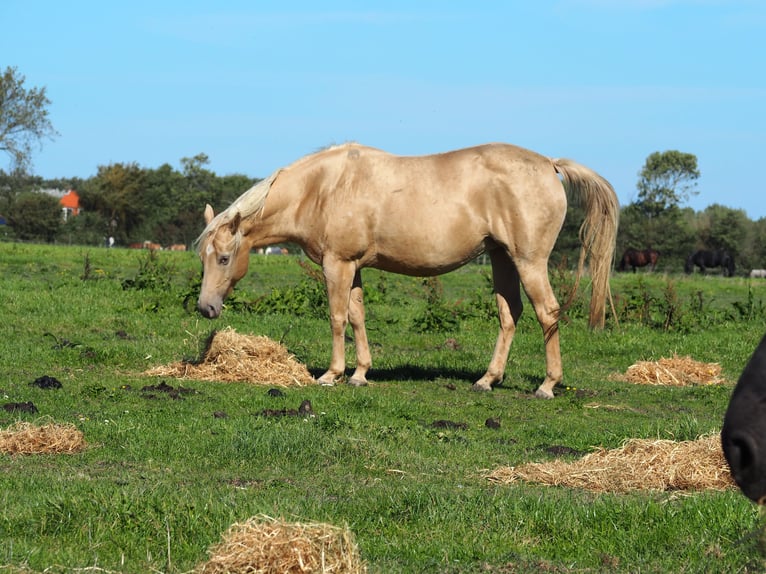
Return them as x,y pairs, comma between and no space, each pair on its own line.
164,205
133,204
123,201
657,219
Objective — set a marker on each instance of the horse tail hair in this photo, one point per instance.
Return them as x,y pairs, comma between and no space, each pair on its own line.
598,232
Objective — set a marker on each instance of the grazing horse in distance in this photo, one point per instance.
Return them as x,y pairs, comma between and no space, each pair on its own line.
758,274
743,436
635,258
705,259
352,206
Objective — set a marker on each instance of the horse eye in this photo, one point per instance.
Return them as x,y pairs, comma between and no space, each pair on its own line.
223,260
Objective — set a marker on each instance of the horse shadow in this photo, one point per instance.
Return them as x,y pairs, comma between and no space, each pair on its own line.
517,381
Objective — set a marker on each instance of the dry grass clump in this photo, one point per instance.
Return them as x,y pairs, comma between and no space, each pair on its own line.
231,357
678,371
51,438
264,545
640,464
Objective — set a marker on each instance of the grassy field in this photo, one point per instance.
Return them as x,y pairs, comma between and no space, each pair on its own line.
164,477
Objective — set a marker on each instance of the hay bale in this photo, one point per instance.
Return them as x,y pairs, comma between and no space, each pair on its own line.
51,438
639,465
677,371
231,357
264,545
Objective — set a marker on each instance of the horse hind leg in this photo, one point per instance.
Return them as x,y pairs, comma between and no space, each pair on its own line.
534,277
508,296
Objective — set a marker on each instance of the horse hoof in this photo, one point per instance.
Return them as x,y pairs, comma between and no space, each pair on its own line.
357,382
543,394
481,388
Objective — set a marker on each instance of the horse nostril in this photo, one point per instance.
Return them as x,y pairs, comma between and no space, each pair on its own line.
744,454
741,454
208,311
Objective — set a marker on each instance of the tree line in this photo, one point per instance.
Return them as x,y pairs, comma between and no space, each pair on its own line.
125,201
164,205
133,204
657,219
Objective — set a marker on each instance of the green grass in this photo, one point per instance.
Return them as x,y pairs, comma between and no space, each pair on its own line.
163,478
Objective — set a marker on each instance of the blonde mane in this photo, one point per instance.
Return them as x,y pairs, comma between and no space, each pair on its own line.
249,203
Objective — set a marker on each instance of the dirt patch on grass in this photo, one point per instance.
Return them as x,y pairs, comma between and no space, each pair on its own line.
50,438
270,546
639,465
676,371
230,357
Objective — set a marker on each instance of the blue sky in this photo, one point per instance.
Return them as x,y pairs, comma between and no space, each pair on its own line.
256,85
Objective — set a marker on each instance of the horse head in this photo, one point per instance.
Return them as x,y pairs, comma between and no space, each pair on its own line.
224,261
744,428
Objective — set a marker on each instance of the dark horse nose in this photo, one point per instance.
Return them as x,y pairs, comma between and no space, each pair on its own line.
208,310
743,436
742,455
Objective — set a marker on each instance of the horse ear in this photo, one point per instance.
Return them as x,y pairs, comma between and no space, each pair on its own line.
234,223
209,214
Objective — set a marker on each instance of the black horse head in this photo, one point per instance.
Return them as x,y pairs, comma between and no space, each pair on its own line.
744,428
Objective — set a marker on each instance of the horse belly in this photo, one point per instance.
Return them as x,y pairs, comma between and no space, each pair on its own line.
424,248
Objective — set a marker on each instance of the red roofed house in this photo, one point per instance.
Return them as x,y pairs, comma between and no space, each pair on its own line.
70,203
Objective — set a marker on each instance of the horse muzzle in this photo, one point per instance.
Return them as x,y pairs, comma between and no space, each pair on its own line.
209,309
746,461
743,435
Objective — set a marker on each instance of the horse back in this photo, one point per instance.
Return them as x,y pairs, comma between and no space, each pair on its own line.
378,208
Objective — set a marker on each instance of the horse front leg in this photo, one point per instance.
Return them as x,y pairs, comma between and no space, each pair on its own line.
508,296
356,318
339,276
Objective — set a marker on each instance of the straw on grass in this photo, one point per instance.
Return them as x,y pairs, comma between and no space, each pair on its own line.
51,438
676,371
265,545
640,464
231,357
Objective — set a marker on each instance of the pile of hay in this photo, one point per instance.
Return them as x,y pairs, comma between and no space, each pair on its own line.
264,545
51,438
639,465
678,372
231,357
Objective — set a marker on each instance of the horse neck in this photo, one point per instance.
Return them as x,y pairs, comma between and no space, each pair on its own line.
277,221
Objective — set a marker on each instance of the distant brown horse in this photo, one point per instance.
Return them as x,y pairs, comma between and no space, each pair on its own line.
146,245
634,258
352,206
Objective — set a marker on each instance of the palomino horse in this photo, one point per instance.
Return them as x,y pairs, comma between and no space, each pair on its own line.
634,258
351,207
744,428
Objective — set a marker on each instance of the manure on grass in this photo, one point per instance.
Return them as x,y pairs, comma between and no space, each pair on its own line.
640,464
231,357
265,545
50,438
